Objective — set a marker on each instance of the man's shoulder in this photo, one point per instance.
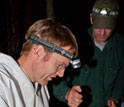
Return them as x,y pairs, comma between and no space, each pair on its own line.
6,62
4,58
8,68
118,37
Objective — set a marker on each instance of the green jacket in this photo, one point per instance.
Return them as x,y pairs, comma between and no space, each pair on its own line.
98,76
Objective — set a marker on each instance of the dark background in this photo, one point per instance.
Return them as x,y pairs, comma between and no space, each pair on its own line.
17,15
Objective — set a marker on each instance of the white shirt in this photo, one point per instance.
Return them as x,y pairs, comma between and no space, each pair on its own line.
100,46
16,90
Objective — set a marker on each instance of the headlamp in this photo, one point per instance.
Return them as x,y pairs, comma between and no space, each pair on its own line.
76,63
105,12
54,48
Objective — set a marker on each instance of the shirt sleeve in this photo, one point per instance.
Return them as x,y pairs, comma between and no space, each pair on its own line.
2,100
118,91
3,103
60,91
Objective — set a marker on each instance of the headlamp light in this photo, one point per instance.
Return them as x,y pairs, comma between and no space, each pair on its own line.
54,48
75,63
105,12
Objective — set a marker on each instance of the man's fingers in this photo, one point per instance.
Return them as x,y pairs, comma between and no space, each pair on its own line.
77,88
74,97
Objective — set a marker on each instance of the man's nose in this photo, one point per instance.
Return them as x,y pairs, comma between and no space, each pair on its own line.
60,73
102,31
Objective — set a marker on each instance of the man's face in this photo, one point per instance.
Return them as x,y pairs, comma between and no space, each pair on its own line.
50,66
101,35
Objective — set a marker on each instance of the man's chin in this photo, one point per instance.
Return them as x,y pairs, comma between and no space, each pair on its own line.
101,41
44,82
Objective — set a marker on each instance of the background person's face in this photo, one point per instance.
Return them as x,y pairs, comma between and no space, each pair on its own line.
101,35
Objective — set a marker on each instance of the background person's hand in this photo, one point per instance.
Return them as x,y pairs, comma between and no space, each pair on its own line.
111,103
73,96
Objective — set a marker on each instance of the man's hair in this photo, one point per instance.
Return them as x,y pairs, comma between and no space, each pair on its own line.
51,31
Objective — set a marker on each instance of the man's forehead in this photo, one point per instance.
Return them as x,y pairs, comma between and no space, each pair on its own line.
52,47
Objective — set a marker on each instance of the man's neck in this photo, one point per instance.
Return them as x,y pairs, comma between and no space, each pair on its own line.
25,64
100,45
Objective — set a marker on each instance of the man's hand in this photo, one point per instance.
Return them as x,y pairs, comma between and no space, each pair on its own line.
111,103
73,97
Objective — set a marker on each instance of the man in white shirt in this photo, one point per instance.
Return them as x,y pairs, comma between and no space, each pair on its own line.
48,50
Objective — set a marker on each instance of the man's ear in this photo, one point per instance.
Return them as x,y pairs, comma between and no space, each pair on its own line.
39,51
91,19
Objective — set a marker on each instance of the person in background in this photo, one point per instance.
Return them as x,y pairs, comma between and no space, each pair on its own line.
47,51
96,79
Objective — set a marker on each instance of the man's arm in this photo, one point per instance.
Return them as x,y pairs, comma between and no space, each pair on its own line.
118,90
60,90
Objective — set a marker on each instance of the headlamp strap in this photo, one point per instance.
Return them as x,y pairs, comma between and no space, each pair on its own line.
50,46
